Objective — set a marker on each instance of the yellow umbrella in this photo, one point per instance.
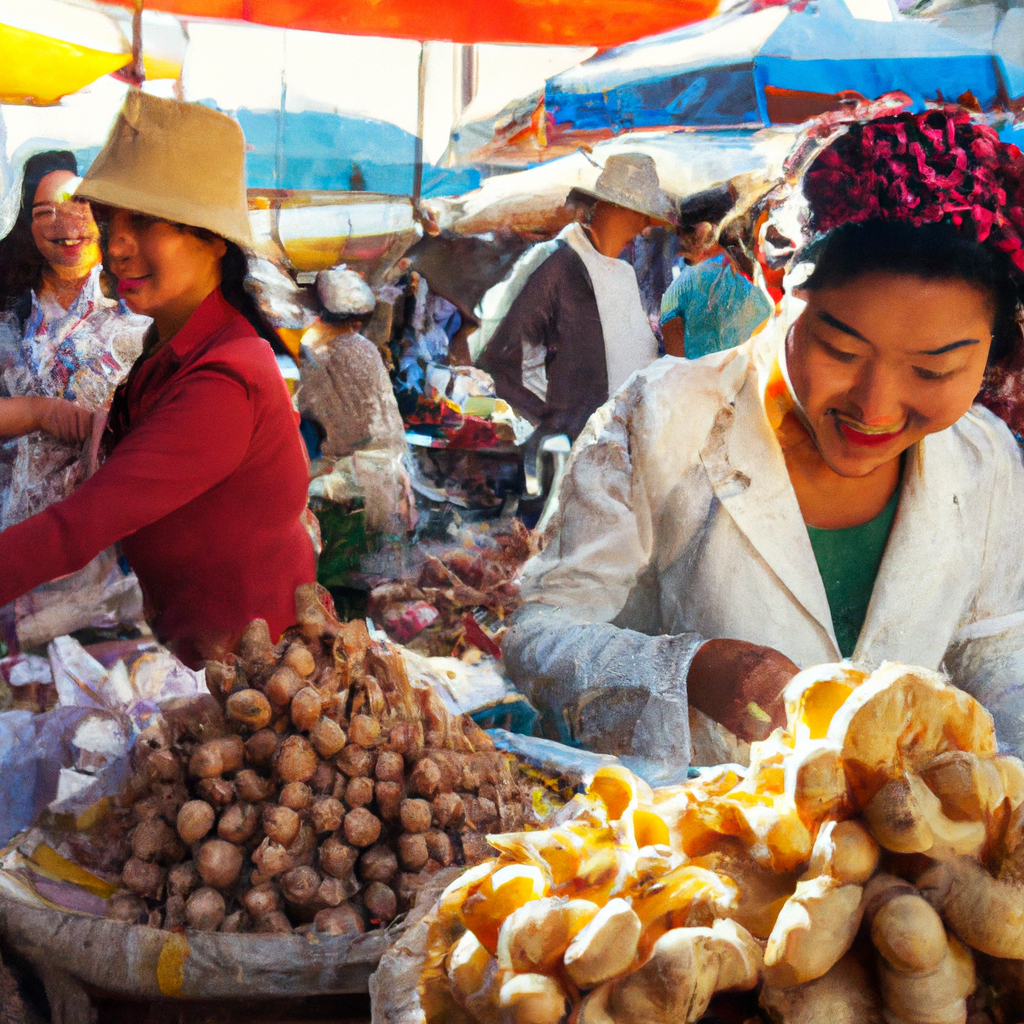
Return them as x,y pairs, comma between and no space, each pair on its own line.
49,49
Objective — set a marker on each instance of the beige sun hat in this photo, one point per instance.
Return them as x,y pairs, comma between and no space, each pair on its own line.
631,180
181,162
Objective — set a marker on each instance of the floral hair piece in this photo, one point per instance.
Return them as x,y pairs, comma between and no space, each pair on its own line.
940,165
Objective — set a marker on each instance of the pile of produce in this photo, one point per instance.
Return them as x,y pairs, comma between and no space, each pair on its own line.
435,613
868,867
316,788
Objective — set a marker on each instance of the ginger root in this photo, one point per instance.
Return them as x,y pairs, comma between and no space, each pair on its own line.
925,975
686,968
818,923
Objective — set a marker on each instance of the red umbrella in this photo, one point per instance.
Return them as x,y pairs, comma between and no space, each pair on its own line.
599,23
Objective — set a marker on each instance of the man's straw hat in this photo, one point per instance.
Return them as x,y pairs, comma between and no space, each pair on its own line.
181,162
631,180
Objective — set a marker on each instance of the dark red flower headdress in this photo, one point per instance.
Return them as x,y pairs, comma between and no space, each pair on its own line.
940,165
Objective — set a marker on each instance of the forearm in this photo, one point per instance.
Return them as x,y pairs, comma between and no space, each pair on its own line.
609,689
19,416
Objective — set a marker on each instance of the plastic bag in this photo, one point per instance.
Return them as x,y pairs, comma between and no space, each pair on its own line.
99,596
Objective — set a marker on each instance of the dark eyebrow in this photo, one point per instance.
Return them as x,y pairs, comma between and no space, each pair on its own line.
847,329
950,347
840,326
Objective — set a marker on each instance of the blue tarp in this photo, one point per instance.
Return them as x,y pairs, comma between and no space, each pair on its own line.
328,152
819,49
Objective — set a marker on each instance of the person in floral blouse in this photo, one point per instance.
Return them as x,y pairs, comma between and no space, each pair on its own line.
64,348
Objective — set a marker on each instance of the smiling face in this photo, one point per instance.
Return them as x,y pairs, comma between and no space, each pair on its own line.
163,270
63,227
880,361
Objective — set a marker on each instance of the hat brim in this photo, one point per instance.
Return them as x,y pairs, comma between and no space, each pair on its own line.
663,216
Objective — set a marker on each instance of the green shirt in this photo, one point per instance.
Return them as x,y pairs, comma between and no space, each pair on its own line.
848,561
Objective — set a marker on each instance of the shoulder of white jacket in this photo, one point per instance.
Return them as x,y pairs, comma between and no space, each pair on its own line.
720,374
983,432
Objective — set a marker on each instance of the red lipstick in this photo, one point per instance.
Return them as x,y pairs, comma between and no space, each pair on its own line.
864,439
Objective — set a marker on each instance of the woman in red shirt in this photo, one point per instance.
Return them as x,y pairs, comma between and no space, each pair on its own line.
205,478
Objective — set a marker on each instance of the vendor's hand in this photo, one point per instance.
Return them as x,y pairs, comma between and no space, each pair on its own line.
64,420
740,685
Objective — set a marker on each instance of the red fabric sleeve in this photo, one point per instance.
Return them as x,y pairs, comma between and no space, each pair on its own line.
197,436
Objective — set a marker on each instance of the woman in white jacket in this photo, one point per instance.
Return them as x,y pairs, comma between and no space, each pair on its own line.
829,489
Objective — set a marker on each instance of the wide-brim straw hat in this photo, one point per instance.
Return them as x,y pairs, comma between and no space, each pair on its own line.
181,162
631,180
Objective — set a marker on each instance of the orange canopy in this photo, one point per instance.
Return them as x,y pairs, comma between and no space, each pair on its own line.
599,23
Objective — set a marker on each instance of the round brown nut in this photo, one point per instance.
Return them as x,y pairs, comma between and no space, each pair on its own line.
303,850
389,799
380,901
425,778
204,910
341,920
195,819
299,659
165,766
338,858
356,760
218,792
378,864
333,892
238,824
361,827
390,767
364,730
281,824
439,846
306,708
249,708
449,810
232,752
412,852
155,840
183,878
327,814
295,760
206,761
252,787
261,900
283,686
359,792
219,863
260,748
142,877
324,778
296,795
300,886
406,738
327,737
271,859
415,815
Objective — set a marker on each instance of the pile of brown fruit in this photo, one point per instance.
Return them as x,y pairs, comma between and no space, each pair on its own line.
317,788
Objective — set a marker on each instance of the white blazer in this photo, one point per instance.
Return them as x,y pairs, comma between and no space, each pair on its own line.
679,523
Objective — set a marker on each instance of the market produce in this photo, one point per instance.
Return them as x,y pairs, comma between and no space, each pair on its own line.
873,851
316,788
453,584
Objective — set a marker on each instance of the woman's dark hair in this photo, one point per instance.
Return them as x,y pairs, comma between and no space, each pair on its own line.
931,251
21,263
233,268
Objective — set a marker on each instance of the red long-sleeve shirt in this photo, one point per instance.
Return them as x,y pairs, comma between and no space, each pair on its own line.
205,492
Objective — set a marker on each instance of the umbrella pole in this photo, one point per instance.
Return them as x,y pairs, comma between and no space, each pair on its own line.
138,67
421,95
